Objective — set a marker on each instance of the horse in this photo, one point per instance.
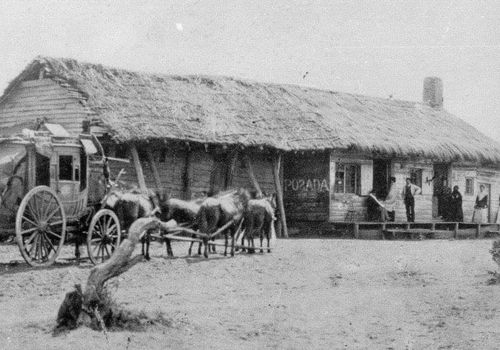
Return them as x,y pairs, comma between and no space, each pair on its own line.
185,213
225,209
258,219
132,205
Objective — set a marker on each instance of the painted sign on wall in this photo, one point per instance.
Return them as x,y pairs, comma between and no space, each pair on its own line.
306,186
317,185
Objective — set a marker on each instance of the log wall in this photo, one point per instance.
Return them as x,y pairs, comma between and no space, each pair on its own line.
479,175
43,98
306,187
423,202
172,165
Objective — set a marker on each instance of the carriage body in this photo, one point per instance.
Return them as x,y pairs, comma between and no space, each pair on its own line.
53,188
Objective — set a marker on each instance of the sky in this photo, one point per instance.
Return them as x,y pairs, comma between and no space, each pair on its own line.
374,47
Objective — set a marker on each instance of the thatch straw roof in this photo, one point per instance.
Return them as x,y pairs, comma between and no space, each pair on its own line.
222,110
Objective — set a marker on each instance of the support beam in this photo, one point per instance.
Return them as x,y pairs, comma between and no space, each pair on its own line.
253,178
356,230
279,194
138,168
231,168
156,173
188,175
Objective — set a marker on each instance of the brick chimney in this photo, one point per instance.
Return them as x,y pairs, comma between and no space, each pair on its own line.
433,92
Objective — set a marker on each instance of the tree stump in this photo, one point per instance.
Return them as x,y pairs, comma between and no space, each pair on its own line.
94,301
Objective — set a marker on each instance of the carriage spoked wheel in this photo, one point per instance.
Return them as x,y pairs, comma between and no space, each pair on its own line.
40,226
103,236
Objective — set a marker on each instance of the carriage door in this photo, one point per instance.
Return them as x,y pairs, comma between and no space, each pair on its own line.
65,178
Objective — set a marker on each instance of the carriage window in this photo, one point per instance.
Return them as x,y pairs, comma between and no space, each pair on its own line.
66,168
348,178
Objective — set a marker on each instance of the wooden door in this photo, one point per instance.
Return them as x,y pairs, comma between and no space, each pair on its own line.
381,176
441,187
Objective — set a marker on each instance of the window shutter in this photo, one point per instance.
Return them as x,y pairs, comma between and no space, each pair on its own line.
366,178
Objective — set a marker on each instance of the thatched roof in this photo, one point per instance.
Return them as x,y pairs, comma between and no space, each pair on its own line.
222,110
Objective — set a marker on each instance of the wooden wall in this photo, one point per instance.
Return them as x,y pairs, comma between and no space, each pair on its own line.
423,202
341,204
480,175
175,174
306,186
43,98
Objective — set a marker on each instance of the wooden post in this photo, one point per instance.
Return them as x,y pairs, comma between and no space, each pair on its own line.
248,164
232,169
455,231
356,230
138,168
478,233
154,168
188,174
279,194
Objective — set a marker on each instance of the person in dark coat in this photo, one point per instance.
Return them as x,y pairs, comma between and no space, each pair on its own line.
455,203
446,205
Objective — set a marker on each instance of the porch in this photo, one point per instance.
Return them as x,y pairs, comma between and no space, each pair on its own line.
415,230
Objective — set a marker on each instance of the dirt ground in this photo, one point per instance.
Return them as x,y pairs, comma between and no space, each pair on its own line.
306,294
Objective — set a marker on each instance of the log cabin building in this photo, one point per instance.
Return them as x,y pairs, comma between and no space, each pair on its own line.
321,151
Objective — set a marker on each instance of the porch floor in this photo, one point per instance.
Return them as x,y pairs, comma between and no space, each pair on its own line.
421,230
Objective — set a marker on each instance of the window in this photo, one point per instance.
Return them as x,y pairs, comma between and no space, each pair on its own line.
121,151
469,186
348,178
66,168
163,155
416,177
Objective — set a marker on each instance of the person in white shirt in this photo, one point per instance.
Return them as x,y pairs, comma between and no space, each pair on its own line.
391,200
409,192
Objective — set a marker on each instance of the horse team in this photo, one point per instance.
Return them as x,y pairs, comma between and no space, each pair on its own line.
233,211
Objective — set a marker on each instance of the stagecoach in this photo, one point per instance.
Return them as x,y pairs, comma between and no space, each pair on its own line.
53,187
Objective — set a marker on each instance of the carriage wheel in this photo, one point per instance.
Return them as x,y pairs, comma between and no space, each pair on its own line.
40,226
103,236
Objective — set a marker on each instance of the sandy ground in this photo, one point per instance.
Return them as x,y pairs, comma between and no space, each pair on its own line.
306,294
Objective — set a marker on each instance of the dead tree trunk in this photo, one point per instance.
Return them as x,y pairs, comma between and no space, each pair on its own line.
94,296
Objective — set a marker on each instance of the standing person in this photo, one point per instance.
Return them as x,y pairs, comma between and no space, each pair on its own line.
391,200
456,212
481,207
409,192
